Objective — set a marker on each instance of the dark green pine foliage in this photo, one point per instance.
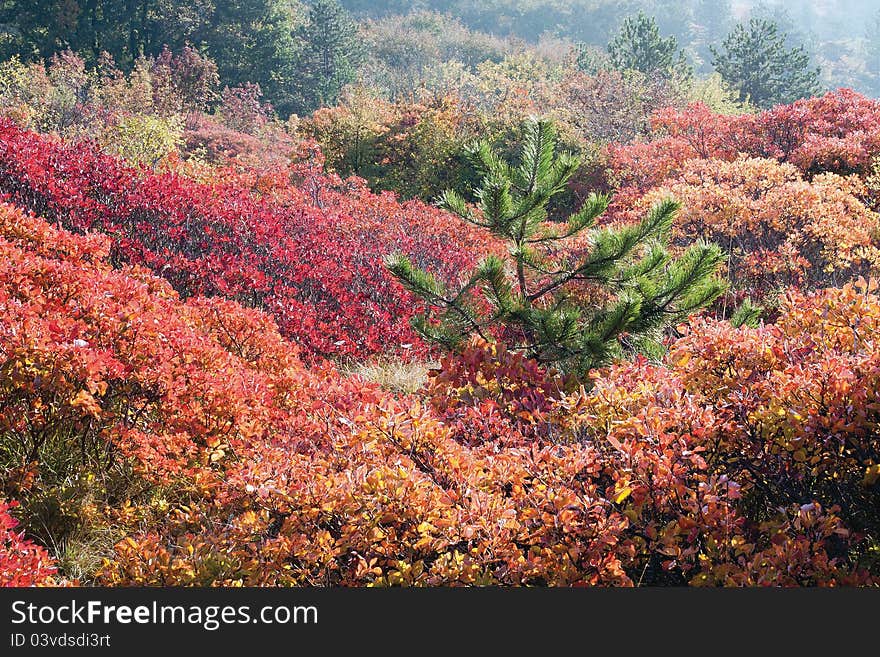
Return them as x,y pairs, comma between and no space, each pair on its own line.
252,41
330,57
747,314
755,61
574,307
638,46
249,40
37,29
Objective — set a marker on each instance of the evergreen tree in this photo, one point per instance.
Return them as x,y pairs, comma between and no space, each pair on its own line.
639,46
330,57
567,293
755,61
251,41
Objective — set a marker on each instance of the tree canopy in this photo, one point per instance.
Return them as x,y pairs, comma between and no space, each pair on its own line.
755,60
639,46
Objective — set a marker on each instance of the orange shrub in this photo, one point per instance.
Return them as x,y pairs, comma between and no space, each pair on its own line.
777,228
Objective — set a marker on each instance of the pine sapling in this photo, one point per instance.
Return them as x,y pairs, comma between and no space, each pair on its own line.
567,293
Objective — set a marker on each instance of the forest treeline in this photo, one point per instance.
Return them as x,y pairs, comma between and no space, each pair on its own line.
302,54
391,97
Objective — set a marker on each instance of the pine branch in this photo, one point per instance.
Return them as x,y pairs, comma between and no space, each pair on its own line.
747,314
496,205
491,271
647,266
485,161
539,142
690,283
584,218
453,202
611,245
419,282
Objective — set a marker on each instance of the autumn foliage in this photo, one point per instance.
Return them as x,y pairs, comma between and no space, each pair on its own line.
22,562
835,133
164,399
309,254
777,228
783,192
219,458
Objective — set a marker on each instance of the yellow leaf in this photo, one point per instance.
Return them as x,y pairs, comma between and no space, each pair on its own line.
423,543
86,402
872,474
622,495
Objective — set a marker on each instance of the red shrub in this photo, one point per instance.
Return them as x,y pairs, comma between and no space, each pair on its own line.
748,458
311,257
776,228
22,563
835,133
218,144
487,393
241,466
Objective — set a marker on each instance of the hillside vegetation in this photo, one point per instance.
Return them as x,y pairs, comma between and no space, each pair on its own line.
537,319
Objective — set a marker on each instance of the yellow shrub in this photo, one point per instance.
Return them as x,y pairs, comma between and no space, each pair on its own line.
143,139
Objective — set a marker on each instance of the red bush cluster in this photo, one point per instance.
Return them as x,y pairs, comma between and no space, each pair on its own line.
782,192
836,133
22,563
486,393
748,460
146,395
313,260
659,476
777,229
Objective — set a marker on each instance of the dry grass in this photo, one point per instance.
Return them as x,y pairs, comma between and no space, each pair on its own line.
82,553
394,375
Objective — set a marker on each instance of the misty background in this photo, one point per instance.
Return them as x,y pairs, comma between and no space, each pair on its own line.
842,36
